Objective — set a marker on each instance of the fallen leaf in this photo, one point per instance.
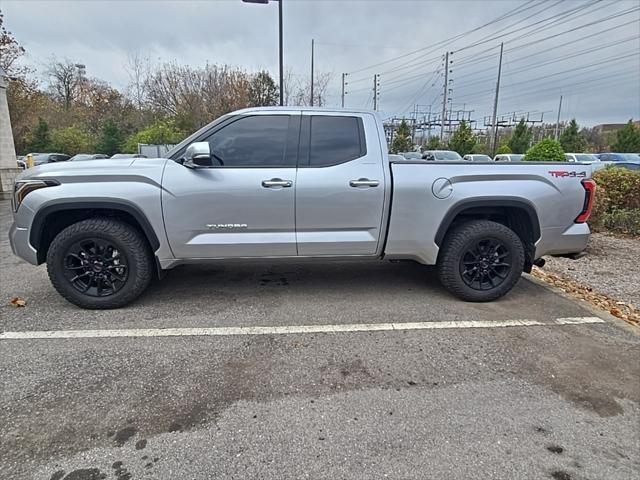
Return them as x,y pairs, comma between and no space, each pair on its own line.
18,302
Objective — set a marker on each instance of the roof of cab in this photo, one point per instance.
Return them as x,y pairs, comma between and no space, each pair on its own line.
292,108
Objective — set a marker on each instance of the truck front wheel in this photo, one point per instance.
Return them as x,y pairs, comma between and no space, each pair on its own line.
99,263
480,260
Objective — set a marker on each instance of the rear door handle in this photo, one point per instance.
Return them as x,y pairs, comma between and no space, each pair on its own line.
276,182
364,182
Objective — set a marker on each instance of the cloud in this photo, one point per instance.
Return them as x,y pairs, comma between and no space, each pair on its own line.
351,35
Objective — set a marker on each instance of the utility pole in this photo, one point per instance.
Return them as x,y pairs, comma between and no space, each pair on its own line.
280,55
495,105
376,91
311,73
444,98
557,134
343,92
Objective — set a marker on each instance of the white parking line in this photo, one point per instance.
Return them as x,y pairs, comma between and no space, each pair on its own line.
285,330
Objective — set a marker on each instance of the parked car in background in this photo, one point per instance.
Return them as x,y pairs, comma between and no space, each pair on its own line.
42,158
508,157
581,157
619,157
477,158
21,163
631,165
412,155
87,156
128,155
442,155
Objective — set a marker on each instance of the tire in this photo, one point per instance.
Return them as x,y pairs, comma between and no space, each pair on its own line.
472,267
107,258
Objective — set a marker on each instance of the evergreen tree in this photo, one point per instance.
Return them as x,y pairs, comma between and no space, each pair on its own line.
432,144
571,139
521,138
463,140
627,139
503,149
402,141
262,90
40,140
110,138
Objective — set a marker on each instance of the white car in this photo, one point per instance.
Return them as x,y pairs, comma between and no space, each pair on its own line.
508,157
442,155
581,157
477,158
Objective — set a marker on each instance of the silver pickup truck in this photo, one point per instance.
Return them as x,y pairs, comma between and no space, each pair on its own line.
284,183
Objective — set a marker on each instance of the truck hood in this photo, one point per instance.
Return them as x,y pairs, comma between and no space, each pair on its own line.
90,170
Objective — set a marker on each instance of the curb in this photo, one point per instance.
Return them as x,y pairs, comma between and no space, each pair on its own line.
585,304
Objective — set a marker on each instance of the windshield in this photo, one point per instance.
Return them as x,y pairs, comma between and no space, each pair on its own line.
480,158
447,156
412,155
630,157
82,156
586,157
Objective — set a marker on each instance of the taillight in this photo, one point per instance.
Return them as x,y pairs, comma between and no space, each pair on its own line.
589,194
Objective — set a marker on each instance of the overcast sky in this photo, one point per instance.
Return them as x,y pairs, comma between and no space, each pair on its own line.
596,67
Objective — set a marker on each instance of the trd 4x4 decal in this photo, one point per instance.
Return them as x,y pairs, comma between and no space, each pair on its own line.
565,173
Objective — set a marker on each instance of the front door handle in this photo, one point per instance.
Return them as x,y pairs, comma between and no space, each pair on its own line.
364,182
276,182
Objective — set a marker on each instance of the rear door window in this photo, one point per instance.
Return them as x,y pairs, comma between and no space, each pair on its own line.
334,140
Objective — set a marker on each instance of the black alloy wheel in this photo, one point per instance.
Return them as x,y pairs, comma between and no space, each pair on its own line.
485,264
95,267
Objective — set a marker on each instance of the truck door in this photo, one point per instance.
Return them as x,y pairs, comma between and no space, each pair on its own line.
244,205
340,185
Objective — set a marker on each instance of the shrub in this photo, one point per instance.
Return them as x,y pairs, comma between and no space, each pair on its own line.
623,221
620,185
72,140
159,133
503,149
617,202
546,150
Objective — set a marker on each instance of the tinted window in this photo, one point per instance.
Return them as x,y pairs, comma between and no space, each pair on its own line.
257,141
444,155
335,140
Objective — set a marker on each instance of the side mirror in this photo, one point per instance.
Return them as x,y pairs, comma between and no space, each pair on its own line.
197,155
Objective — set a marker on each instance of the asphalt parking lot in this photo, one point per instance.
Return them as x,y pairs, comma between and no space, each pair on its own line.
531,386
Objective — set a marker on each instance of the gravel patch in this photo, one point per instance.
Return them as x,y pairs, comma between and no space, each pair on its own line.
611,267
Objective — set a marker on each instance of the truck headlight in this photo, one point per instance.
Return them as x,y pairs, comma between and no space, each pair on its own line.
22,188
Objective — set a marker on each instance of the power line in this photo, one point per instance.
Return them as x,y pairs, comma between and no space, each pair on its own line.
553,18
515,11
473,59
549,62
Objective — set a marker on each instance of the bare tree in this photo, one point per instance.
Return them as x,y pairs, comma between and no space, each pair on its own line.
138,68
196,96
297,89
65,80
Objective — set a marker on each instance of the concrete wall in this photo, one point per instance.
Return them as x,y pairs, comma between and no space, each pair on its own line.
8,166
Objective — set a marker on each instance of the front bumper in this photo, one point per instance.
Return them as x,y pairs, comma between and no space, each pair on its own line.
20,246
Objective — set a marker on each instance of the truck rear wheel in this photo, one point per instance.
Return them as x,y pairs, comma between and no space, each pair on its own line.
480,260
99,263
